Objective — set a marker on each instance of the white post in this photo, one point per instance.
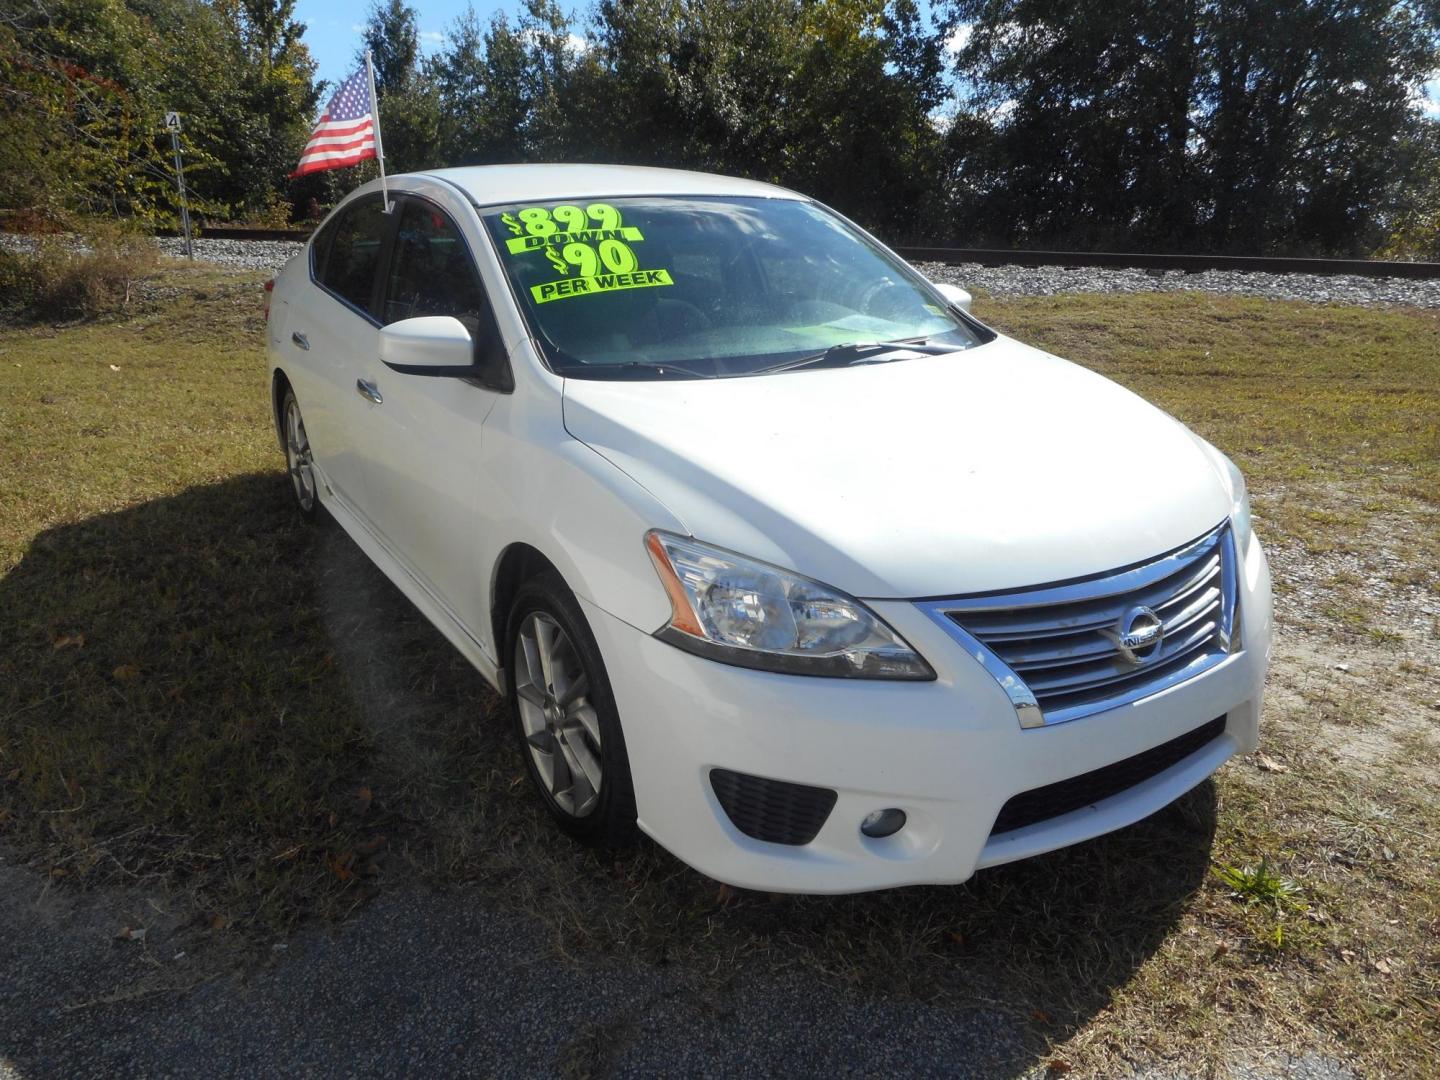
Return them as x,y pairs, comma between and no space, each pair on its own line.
375,120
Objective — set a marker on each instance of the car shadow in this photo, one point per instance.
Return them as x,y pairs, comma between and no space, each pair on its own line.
201,691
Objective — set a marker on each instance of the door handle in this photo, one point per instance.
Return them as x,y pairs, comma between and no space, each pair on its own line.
369,391
300,339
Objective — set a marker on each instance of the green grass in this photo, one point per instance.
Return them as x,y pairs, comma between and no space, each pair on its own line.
1300,395
256,718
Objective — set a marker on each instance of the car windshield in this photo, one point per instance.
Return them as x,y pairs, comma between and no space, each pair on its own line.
704,287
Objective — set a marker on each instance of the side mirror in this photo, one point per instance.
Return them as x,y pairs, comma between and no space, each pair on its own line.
429,345
956,295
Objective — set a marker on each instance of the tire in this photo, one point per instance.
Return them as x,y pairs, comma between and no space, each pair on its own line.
564,741
299,461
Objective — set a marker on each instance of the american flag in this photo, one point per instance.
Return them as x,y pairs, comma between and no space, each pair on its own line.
345,134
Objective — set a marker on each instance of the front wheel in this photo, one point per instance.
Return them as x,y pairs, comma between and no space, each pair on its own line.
299,461
565,716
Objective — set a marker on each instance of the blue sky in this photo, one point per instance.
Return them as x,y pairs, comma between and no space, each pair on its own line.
333,32
332,28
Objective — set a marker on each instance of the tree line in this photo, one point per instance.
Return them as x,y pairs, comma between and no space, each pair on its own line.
1198,125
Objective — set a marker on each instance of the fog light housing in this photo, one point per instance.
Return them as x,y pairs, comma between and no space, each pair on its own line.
882,823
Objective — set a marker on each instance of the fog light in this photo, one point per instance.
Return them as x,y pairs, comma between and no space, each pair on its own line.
882,823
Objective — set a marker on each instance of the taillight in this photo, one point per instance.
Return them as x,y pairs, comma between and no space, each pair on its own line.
269,288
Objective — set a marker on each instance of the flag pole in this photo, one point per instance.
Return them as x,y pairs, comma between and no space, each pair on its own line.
375,116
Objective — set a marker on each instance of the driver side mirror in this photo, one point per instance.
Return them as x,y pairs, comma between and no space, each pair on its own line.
954,293
437,345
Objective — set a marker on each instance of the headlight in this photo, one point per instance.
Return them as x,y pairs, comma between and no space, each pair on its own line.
1239,508
738,611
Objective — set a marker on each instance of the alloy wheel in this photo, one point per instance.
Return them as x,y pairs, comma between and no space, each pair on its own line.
298,457
561,726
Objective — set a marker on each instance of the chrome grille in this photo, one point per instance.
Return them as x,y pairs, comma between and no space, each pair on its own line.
1060,650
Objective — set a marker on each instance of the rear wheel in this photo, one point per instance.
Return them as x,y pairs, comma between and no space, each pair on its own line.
299,461
565,716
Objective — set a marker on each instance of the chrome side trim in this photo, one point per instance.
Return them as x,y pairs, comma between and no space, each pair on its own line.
1027,709
1202,648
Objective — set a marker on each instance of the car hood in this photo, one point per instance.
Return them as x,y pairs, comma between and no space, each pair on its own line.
994,468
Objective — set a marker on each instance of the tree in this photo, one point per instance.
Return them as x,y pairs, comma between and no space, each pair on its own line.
1306,103
1413,225
1228,124
501,84
823,95
270,115
85,85
405,94
393,40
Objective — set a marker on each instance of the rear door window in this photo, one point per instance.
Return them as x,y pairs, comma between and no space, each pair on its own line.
349,267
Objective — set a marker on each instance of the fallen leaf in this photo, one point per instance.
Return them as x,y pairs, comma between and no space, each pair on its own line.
1269,764
219,922
58,871
68,641
955,936
1059,1067
724,895
1220,950
126,673
1040,1015
363,798
127,934
1383,966
1346,954
341,864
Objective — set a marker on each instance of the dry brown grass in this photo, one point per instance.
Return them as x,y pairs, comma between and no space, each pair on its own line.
76,276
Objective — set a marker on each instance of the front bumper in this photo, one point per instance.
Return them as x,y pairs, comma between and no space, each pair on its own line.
950,753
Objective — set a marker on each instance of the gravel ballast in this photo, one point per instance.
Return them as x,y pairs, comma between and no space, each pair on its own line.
997,281
237,254
1007,281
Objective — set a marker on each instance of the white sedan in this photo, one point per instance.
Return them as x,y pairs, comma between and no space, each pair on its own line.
776,553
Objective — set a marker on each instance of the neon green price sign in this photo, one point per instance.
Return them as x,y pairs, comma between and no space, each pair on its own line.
590,246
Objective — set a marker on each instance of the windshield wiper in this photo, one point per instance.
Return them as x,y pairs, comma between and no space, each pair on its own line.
855,352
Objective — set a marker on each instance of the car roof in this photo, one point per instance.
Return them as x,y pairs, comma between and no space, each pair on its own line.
488,185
